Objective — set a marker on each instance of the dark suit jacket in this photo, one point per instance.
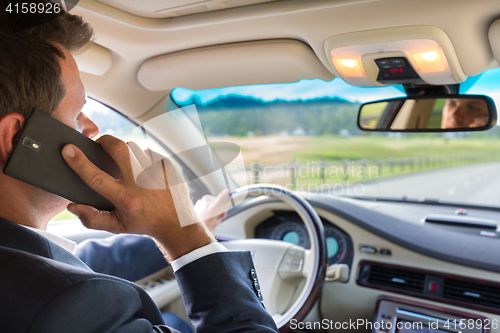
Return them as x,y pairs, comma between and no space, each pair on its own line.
44,288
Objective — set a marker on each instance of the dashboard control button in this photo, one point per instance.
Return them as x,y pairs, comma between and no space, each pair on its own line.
385,252
368,249
434,285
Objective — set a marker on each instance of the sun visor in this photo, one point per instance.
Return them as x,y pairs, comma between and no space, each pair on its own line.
95,60
494,36
273,61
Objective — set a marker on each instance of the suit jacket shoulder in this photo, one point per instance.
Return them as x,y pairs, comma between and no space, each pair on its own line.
44,295
42,284
46,289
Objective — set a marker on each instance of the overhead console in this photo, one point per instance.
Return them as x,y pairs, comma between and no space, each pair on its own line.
401,55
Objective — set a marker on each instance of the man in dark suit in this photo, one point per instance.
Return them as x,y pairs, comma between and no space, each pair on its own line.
43,287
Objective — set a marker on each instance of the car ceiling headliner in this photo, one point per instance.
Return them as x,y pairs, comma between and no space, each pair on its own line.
134,39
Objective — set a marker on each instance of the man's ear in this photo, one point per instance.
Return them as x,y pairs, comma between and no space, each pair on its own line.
10,125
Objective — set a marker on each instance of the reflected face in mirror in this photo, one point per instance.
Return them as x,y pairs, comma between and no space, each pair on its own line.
460,113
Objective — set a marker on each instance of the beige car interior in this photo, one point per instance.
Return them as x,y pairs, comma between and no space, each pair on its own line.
414,114
144,49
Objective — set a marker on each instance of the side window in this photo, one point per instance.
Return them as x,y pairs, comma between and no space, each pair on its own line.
111,122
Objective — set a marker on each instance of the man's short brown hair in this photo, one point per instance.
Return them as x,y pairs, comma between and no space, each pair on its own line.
30,74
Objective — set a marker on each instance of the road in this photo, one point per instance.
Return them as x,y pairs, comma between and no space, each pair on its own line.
475,184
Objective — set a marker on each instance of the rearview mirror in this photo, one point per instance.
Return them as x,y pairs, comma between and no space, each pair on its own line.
449,113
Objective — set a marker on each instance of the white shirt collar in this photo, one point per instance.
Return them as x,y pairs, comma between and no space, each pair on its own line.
66,244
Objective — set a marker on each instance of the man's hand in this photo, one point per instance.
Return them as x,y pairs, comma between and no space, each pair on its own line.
211,210
149,211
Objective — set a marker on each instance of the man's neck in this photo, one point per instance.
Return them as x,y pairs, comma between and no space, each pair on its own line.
24,204
24,217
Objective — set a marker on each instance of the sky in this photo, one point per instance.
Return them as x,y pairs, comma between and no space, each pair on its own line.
301,90
486,83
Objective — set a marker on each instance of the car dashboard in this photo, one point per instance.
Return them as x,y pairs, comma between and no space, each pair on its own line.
402,266
397,260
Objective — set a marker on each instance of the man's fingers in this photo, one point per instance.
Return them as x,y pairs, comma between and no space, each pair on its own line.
95,219
222,202
154,156
222,197
222,216
144,160
94,177
156,167
119,152
209,206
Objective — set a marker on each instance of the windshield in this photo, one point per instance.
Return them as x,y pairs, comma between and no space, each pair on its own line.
304,136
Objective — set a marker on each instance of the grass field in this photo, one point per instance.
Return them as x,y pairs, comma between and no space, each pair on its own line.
398,156
342,156
333,148
360,158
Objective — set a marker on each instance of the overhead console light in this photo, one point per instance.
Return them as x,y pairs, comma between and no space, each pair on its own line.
428,56
429,62
348,62
416,54
350,67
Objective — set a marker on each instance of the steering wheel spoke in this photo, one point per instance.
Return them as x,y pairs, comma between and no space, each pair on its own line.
308,266
292,264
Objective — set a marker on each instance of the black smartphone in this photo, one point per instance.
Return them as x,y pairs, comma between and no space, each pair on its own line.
36,159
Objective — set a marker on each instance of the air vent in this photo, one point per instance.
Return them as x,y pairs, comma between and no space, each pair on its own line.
479,294
456,290
396,279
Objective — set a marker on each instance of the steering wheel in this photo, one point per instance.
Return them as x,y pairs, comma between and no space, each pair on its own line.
281,266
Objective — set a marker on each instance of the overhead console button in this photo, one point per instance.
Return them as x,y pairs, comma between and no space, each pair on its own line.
396,70
384,63
399,62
